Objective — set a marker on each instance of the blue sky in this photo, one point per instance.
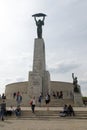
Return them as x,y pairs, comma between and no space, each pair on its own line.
64,33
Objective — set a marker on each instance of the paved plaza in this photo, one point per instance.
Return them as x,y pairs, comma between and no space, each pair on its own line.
59,124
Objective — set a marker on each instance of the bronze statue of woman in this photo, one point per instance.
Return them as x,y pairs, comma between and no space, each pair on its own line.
39,23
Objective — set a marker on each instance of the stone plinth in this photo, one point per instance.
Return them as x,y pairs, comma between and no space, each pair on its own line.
35,84
78,99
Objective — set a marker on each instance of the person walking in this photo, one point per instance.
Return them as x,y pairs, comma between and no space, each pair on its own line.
47,100
3,110
32,103
40,99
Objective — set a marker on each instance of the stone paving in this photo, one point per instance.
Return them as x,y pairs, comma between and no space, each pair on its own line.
59,124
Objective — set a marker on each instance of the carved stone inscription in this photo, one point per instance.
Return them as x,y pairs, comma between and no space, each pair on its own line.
35,81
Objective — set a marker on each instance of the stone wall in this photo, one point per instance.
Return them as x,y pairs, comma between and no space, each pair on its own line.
15,87
65,87
22,87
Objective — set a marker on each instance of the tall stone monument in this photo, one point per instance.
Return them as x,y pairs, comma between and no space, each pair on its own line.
39,78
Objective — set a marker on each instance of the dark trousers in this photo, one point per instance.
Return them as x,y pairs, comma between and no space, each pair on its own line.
33,108
2,113
9,113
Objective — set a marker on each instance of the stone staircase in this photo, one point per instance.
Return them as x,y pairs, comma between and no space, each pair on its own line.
49,115
61,102
53,102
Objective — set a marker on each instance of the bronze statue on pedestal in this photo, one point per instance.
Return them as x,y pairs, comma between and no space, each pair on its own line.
39,23
75,83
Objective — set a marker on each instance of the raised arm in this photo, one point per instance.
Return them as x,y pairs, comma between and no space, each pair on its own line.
73,76
35,19
43,18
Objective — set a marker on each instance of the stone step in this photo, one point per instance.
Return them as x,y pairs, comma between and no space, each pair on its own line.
53,102
48,112
27,114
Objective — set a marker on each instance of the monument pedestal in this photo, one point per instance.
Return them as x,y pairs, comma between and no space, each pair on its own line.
35,84
78,100
46,83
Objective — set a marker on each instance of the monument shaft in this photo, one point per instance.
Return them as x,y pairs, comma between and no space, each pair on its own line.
39,78
39,56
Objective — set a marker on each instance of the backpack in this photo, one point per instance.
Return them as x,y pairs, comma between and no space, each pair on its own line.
31,102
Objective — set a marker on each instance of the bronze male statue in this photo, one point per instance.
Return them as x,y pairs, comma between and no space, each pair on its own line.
75,83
